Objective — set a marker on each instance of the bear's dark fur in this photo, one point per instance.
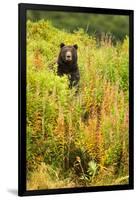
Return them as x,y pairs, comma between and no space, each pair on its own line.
67,64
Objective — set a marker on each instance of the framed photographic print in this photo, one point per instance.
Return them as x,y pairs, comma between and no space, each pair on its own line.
75,99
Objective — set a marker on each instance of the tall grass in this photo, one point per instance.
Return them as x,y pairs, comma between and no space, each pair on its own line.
61,127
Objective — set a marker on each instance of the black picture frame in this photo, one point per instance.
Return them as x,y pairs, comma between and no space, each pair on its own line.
22,8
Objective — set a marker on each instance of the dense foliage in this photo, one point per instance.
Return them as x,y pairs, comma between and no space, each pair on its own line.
116,25
73,139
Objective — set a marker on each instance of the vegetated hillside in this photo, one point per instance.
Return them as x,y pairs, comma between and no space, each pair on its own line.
117,25
76,140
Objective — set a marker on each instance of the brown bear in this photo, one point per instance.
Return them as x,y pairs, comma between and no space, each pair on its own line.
67,64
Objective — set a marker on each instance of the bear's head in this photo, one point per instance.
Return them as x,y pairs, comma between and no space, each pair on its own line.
68,54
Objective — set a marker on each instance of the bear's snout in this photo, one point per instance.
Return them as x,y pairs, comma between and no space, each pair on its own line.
68,56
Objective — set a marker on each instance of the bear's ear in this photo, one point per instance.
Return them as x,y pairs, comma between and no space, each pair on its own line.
62,45
75,46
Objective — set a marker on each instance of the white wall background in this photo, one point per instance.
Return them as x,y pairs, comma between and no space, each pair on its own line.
9,98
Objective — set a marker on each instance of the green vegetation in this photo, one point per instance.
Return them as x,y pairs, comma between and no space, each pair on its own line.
93,24
76,140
